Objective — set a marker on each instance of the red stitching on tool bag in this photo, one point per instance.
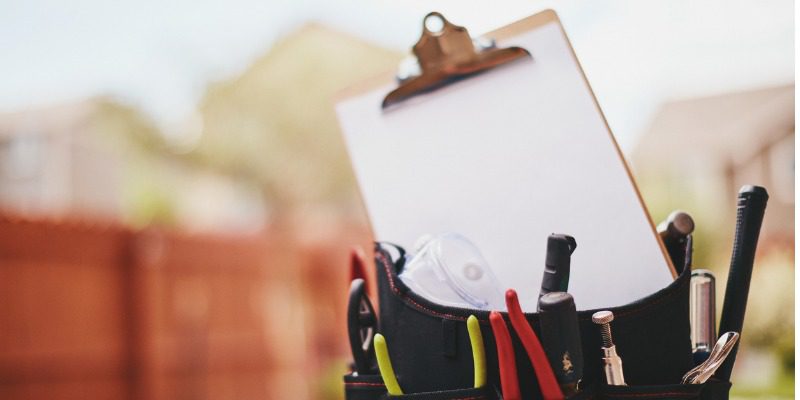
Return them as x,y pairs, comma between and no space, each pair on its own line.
375,384
386,263
675,394
654,303
644,307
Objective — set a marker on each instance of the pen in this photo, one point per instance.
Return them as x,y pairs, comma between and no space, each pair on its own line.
751,204
557,263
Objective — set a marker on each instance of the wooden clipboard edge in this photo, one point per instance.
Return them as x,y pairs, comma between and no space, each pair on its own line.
516,28
625,164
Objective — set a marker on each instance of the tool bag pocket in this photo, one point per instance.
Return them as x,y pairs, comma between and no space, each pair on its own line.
363,387
430,348
371,387
711,390
483,393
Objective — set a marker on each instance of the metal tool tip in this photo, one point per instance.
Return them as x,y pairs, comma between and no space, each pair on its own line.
602,317
682,222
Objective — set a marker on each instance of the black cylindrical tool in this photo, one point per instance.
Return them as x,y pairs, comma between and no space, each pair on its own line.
556,263
561,339
750,207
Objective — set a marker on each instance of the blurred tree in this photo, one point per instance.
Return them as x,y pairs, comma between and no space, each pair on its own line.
125,126
276,122
140,149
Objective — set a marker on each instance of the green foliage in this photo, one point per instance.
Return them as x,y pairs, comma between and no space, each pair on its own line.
781,389
149,204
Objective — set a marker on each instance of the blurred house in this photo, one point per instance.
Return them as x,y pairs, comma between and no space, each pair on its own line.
698,152
99,158
49,166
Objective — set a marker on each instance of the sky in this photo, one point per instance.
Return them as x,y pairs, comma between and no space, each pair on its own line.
160,55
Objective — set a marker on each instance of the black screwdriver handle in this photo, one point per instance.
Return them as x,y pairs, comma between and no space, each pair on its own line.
561,339
752,202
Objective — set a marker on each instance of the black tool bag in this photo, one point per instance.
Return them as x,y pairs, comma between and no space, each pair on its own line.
432,358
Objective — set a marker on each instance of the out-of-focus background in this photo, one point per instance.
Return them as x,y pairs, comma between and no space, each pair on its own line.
177,205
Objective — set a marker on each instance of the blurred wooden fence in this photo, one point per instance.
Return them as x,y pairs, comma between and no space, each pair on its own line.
103,312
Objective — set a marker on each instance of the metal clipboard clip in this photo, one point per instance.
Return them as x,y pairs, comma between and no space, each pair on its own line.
448,55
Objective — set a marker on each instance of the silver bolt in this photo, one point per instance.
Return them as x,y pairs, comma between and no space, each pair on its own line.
612,364
604,318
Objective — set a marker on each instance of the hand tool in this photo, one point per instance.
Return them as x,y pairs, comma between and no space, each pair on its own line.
701,373
478,352
557,263
674,232
561,338
362,323
358,266
385,366
702,313
612,363
509,382
544,374
751,204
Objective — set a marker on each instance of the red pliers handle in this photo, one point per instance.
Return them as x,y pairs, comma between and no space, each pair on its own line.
509,381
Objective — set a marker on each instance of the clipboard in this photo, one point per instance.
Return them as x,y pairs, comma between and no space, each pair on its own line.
506,155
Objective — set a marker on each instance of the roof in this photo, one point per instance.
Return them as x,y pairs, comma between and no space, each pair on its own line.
51,119
724,127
